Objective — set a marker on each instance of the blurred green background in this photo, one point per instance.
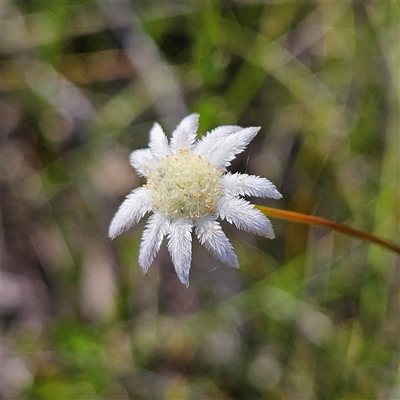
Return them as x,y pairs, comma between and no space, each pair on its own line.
311,314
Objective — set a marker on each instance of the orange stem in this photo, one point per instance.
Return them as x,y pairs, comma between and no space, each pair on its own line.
311,220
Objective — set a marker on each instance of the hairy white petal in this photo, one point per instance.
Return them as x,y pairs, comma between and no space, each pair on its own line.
248,185
243,214
207,144
143,161
231,145
180,247
184,135
210,234
133,208
158,143
156,228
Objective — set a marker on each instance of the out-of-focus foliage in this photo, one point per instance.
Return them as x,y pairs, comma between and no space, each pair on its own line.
311,314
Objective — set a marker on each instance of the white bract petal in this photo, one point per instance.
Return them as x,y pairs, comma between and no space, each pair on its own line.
188,186
156,228
135,206
158,143
243,214
207,144
185,133
231,145
180,247
248,185
143,161
210,234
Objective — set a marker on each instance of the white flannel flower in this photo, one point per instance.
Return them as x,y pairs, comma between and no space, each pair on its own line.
188,188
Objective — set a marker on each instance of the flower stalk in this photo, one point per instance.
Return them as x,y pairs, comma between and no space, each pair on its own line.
293,216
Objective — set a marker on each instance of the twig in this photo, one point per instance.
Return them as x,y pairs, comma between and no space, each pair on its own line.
312,220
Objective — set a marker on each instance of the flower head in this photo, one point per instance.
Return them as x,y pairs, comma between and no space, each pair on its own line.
188,189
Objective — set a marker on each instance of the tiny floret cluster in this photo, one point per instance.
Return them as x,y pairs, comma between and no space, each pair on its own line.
185,185
187,189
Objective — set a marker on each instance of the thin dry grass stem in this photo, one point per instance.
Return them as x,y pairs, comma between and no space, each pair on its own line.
311,220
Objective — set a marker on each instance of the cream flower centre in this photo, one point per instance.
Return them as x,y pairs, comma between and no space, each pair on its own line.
185,185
